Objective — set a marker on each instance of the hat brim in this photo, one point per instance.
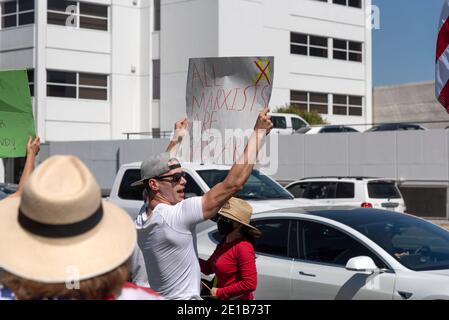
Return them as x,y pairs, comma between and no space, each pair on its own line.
224,214
60,260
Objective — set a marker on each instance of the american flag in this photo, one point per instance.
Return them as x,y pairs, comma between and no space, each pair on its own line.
442,58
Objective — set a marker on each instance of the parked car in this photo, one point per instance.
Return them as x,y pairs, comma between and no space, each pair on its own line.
261,191
396,127
6,189
288,123
330,129
346,254
380,193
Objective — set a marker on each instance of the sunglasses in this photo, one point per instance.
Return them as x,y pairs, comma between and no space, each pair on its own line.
176,177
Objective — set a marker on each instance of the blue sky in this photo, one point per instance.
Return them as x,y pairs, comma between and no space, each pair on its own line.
404,47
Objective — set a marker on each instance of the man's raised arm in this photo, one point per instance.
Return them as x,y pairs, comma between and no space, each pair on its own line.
216,197
175,142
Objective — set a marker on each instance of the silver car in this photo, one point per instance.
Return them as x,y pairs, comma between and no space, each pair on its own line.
346,254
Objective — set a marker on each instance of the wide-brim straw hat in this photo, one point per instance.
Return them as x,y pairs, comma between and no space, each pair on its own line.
60,229
238,210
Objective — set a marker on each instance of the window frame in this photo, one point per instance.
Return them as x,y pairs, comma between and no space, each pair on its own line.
309,103
289,240
308,45
349,6
17,14
79,86
78,15
347,51
347,106
387,267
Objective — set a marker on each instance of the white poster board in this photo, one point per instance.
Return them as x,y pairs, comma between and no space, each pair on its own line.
224,97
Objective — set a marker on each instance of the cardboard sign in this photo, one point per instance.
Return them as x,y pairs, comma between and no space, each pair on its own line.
16,114
225,94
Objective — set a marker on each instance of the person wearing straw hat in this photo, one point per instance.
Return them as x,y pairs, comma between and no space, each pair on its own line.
60,240
166,223
233,261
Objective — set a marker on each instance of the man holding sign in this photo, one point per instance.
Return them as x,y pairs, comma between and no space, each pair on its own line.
166,223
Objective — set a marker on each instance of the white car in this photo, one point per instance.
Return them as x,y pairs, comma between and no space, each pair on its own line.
346,254
262,192
380,193
288,123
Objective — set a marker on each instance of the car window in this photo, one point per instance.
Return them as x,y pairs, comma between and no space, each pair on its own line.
383,190
298,124
274,239
331,129
320,190
192,188
298,189
345,190
257,187
279,122
324,244
127,192
349,129
415,243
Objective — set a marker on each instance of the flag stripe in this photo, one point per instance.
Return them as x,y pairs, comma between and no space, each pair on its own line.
442,71
444,97
444,14
443,39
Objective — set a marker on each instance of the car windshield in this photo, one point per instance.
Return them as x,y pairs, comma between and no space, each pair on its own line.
258,186
417,244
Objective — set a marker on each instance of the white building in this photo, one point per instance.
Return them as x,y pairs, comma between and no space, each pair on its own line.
101,68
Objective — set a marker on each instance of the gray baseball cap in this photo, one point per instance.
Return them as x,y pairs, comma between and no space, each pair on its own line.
154,166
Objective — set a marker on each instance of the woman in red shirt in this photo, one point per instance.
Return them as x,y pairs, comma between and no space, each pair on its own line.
233,261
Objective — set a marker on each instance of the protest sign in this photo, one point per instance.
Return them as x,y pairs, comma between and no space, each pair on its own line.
16,114
225,95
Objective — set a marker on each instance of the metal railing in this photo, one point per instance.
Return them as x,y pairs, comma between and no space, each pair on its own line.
151,135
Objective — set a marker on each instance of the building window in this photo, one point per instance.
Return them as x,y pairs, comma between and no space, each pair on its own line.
349,3
348,105
348,50
30,74
77,85
309,101
156,79
17,13
78,14
308,45
157,15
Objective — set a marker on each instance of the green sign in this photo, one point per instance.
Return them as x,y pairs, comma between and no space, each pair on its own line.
16,114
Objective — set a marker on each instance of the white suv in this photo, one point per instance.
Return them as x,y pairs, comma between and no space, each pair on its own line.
363,192
288,123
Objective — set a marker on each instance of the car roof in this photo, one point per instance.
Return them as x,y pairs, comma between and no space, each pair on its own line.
194,166
340,178
346,215
284,114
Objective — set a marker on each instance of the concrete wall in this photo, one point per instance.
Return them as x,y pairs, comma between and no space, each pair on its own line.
418,159
413,102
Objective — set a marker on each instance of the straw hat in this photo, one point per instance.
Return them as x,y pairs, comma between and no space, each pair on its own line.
60,229
238,210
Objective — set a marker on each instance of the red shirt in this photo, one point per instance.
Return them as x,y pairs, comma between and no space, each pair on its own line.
234,265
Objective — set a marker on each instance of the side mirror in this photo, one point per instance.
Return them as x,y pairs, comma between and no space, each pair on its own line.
361,264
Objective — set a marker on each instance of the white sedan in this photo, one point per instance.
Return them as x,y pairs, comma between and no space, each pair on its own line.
346,254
